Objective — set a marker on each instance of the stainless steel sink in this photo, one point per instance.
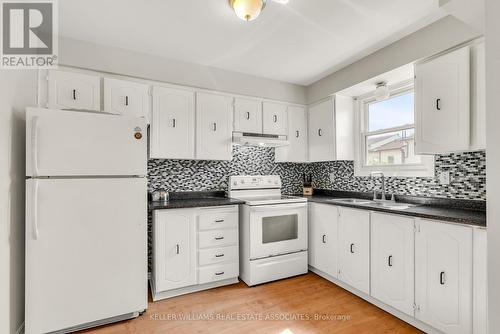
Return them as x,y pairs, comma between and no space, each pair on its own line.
394,205
351,200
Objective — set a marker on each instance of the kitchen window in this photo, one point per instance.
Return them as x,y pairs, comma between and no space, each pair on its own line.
387,136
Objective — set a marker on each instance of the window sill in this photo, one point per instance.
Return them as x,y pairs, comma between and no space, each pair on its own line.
426,169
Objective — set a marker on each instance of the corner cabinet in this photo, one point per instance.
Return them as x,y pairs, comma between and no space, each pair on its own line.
214,126
297,136
443,280
127,98
73,90
331,130
392,261
174,249
354,248
172,128
323,237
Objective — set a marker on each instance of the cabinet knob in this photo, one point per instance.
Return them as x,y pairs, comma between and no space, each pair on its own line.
352,248
219,220
219,255
275,118
219,238
297,134
74,94
126,100
248,115
442,278
214,126
174,122
389,261
438,104
219,273
320,132
177,249
324,238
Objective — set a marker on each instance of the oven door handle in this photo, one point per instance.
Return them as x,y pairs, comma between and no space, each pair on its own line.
263,208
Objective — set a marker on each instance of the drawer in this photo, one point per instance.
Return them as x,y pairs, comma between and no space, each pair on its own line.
218,272
218,255
217,219
217,238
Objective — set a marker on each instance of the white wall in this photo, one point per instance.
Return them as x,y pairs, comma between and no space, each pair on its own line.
492,35
114,60
17,90
435,38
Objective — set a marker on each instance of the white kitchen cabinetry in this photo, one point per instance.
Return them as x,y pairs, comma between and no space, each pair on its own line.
274,118
331,130
173,124
247,115
442,103
174,249
354,248
480,281
443,276
127,98
478,97
194,249
323,238
297,136
73,90
214,126
392,261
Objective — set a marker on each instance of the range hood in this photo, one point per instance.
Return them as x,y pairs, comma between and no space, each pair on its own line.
260,140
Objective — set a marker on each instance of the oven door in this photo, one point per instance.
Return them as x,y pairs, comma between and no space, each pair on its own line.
277,229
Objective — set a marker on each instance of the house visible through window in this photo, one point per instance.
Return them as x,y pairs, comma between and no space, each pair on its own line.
389,136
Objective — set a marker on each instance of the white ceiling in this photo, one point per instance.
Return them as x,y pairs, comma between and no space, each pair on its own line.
298,43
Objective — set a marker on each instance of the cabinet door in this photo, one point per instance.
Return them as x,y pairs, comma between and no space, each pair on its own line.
443,276
321,132
174,249
480,279
478,97
275,120
127,98
247,115
323,237
173,124
354,248
442,103
71,90
297,136
392,261
214,119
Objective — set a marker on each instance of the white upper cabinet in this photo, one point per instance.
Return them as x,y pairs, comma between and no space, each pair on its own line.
247,115
478,97
275,120
127,98
354,248
297,136
214,126
72,90
174,242
443,276
173,124
331,130
442,103
323,238
392,261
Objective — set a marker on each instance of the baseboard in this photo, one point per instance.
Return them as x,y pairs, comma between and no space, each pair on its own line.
20,330
189,289
403,316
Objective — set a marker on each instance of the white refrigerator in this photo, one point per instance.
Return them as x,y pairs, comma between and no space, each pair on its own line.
86,219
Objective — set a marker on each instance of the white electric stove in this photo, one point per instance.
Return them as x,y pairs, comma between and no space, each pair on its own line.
273,229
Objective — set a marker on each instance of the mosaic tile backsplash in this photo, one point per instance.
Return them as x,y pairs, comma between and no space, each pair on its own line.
467,172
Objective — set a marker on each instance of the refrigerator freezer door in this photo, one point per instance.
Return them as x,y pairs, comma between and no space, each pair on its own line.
72,143
86,251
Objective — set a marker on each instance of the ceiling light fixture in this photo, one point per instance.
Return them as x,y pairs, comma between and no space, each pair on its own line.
249,10
382,91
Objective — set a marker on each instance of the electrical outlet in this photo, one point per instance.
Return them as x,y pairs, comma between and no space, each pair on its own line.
332,177
444,178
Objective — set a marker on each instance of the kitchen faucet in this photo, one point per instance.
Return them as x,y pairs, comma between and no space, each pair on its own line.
372,174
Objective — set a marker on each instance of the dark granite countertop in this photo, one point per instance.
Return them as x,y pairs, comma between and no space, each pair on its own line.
193,199
468,212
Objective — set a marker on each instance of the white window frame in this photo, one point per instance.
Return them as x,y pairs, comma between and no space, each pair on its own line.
423,169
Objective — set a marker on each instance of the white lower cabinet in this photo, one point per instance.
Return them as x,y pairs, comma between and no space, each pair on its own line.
194,249
392,261
323,238
443,280
174,251
354,248
480,279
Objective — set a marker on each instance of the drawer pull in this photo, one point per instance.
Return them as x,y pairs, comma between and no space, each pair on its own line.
219,255
442,278
219,238
74,94
219,220
219,273
126,101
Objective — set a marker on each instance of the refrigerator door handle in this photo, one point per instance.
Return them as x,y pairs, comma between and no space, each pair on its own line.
34,145
35,209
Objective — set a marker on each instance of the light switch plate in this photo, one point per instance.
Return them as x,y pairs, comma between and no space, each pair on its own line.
444,178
